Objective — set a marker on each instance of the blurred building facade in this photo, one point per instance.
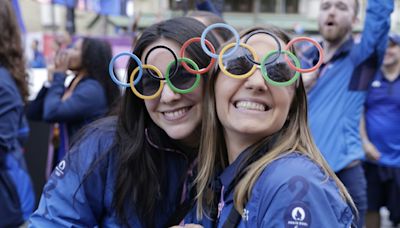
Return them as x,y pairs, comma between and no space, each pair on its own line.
289,14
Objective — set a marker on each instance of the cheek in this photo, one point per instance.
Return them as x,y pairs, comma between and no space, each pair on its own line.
151,105
283,97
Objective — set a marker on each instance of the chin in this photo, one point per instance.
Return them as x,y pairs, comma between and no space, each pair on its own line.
179,133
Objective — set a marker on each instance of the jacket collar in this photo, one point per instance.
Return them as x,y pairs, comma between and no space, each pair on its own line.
160,141
343,50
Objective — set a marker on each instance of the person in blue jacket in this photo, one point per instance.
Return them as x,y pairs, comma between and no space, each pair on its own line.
380,133
258,164
38,60
337,91
90,95
17,198
134,170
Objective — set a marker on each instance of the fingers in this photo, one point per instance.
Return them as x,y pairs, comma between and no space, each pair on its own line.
371,152
61,61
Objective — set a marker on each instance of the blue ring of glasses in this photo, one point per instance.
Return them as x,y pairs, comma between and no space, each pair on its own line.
219,25
111,69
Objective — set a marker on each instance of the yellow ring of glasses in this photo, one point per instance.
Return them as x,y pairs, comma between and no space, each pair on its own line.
144,97
240,76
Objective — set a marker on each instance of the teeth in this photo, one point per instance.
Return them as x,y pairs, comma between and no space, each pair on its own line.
176,114
250,106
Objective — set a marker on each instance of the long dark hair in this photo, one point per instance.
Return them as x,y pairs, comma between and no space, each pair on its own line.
11,50
96,55
140,179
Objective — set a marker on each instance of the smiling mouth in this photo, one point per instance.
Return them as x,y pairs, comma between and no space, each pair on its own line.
249,105
177,113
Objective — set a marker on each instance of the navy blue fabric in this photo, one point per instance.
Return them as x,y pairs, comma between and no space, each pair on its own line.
207,5
337,98
291,191
354,180
13,131
87,103
65,202
383,189
38,60
382,119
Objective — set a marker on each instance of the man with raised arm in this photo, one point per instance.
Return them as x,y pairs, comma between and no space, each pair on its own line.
337,91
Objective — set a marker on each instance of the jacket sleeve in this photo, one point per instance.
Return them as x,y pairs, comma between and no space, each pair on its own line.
9,117
375,32
87,98
74,195
34,109
302,196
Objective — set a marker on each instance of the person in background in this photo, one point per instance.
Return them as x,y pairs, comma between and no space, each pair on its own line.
337,91
38,60
208,18
16,191
380,133
207,5
89,96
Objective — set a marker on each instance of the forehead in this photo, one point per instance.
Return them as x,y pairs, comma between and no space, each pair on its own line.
350,3
161,53
262,43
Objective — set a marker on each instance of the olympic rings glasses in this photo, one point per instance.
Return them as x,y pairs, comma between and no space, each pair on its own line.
151,86
278,67
237,60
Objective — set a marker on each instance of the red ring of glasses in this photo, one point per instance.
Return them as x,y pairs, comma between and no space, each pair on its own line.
316,44
182,53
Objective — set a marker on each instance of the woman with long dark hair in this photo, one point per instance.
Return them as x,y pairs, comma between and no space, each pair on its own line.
90,95
134,170
16,191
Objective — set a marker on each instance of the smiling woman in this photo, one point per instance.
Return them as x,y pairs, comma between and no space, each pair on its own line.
256,152
135,170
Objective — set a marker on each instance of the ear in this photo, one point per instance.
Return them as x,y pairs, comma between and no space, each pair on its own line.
356,21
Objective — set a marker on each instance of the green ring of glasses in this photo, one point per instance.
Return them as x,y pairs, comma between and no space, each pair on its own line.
183,91
265,73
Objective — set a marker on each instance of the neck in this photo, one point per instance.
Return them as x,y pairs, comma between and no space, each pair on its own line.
330,48
192,141
81,73
236,144
391,72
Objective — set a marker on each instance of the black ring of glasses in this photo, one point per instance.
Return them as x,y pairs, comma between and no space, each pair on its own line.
269,34
173,54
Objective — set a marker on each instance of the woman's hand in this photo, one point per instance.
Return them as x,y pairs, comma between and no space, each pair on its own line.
61,61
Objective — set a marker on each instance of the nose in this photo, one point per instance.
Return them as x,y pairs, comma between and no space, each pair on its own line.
256,82
332,10
169,96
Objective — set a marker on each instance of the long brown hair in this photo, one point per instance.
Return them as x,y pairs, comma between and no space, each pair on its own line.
293,136
11,51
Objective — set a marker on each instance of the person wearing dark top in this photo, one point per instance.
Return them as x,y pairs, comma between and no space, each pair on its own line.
135,170
90,95
380,133
16,191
